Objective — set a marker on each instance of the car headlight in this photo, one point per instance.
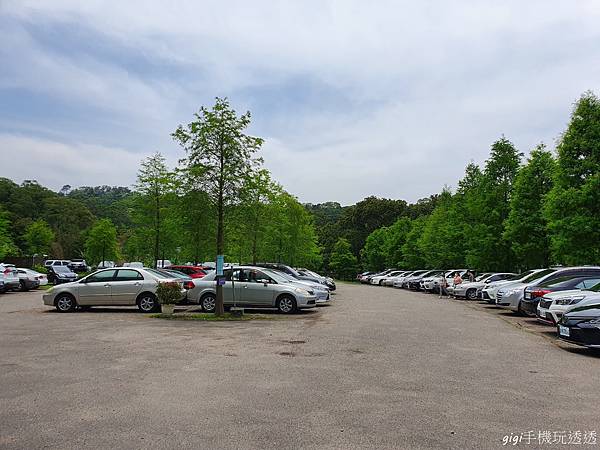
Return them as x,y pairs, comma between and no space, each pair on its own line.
569,300
302,291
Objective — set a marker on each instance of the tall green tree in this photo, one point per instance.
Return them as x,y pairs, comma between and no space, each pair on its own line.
573,205
154,183
7,246
487,249
374,254
39,237
101,243
222,158
526,227
411,252
396,237
343,263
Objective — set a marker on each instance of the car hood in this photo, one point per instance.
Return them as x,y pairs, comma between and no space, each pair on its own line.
581,311
593,300
473,284
513,285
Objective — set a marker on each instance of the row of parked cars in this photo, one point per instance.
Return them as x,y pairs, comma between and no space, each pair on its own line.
14,278
266,285
565,297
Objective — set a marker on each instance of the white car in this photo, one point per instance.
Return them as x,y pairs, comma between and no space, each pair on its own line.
379,279
552,306
489,292
389,280
471,290
511,297
10,278
403,281
30,279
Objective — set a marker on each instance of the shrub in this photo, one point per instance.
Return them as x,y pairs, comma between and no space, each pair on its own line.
168,293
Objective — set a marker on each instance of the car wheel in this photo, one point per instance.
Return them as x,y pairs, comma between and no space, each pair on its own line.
147,303
23,287
286,305
380,282
209,303
472,294
65,303
519,310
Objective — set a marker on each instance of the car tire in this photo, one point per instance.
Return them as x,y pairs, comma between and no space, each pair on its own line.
148,303
208,303
471,294
519,311
23,287
286,304
380,282
65,303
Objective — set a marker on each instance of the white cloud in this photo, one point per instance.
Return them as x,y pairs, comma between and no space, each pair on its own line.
418,89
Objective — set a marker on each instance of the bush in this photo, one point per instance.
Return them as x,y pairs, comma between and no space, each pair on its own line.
39,268
168,293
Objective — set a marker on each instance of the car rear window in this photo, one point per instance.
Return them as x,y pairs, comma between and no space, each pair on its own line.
159,274
128,275
538,275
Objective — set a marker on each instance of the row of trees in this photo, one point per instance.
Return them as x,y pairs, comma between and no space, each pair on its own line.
219,200
508,215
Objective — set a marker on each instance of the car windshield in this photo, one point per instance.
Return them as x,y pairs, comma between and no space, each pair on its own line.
280,277
538,275
159,274
518,276
61,269
562,281
174,273
483,276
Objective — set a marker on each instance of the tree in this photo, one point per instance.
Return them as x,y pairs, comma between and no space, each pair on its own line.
411,253
342,262
39,237
396,238
7,247
220,157
154,181
488,207
101,243
374,254
573,205
526,227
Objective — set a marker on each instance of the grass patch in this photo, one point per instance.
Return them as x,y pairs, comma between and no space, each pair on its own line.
208,317
46,287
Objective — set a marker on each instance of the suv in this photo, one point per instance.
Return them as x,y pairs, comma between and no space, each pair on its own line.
56,262
10,278
58,274
78,265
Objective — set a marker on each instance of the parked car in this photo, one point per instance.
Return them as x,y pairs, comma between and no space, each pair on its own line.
406,281
29,279
321,292
581,325
362,276
378,279
163,263
135,264
192,271
415,282
120,286
10,278
250,286
56,262
294,273
511,297
78,265
61,274
553,305
389,279
329,282
399,280
472,290
106,265
534,292
489,292
42,277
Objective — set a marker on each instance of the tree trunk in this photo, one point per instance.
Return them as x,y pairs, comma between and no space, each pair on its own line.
157,229
219,308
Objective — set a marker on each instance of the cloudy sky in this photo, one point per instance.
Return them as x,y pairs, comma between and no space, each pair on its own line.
354,98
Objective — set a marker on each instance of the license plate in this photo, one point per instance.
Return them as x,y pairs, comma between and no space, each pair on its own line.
563,331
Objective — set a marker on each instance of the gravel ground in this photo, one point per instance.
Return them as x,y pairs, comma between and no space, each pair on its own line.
379,368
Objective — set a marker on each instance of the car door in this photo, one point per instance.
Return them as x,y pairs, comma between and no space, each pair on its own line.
126,287
257,288
231,288
97,288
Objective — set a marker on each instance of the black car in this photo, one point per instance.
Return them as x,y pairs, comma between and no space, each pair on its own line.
61,274
581,326
582,279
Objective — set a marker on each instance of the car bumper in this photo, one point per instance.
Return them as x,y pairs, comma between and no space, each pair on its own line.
65,280
31,284
583,333
323,298
546,316
13,285
529,307
48,299
306,302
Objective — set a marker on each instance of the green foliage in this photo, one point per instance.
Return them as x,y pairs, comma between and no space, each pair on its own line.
343,263
374,254
168,293
7,246
573,204
526,227
101,243
38,237
412,257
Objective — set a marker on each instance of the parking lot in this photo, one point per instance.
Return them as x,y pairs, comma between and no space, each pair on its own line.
379,368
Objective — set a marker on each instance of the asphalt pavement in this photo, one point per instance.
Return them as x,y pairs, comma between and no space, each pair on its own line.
379,368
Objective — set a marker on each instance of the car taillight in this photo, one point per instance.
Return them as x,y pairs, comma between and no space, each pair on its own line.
7,271
188,285
539,293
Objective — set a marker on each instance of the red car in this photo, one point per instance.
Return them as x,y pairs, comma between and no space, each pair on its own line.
192,271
